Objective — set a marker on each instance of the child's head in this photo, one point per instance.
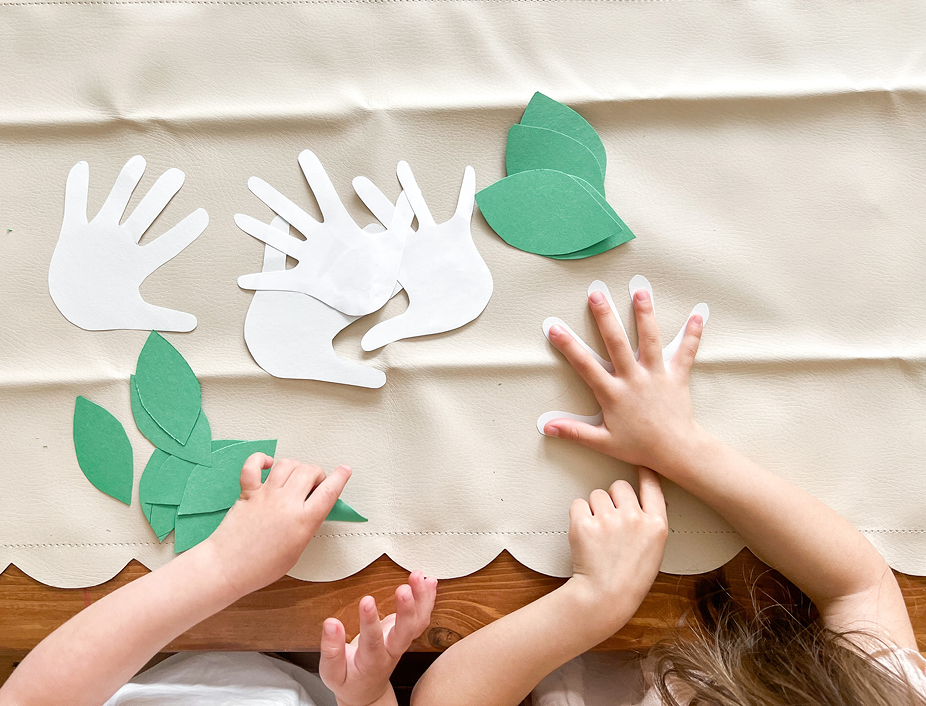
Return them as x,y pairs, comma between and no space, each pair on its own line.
758,652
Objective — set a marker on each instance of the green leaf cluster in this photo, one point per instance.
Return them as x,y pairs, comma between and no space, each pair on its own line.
552,202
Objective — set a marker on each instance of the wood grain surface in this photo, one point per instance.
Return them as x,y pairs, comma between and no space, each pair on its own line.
287,616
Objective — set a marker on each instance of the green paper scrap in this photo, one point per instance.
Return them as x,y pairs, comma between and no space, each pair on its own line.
104,452
546,212
221,444
190,530
342,512
166,485
167,388
162,519
197,449
214,488
539,148
148,483
613,241
543,111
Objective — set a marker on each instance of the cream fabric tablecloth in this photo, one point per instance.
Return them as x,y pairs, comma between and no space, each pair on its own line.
770,157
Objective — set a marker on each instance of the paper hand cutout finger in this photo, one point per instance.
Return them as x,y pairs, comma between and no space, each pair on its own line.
447,281
638,282
98,265
290,334
346,267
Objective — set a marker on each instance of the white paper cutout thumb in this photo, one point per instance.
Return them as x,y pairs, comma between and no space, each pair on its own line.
347,267
447,281
290,334
98,266
637,283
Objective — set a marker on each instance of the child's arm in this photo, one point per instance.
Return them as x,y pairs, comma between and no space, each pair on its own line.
617,546
648,419
88,658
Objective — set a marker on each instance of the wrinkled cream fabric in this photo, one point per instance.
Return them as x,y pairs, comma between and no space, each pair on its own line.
770,157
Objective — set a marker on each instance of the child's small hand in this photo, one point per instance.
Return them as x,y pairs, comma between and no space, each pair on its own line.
268,528
648,416
617,547
358,673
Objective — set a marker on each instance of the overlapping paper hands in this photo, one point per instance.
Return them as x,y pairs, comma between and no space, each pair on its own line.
350,271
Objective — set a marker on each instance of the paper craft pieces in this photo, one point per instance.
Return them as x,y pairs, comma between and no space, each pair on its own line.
342,512
98,265
167,388
552,201
217,486
638,282
290,334
104,452
339,263
447,281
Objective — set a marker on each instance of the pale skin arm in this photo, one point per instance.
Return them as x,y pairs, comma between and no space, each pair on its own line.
88,658
649,420
617,546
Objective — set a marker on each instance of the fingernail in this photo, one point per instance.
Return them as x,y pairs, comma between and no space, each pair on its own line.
330,629
698,320
642,295
551,431
556,330
596,298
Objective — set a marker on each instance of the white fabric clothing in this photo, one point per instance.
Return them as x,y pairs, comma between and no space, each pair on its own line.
224,679
616,679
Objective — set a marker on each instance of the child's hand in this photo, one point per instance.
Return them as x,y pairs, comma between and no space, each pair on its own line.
358,673
269,526
648,417
617,546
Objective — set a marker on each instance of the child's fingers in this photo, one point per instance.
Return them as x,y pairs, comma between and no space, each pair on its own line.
406,622
280,472
615,339
322,499
332,666
684,357
600,502
579,510
425,592
303,479
371,632
251,471
579,358
595,437
649,346
652,499
621,493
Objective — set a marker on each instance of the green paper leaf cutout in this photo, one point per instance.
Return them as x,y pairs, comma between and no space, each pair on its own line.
190,530
149,478
166,485
162,519
543,111
167,388
342,512
539,148
104,452
620,238
198,447
546,212
214,488
221,444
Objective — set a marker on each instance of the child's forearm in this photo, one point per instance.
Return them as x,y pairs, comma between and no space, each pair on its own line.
88,658
499,664
808,542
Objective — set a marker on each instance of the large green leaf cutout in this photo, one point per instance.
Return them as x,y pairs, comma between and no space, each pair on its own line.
190,530
197,449
342,512
104,452
538,148
215,488
546,212
167,388
167,485
543,111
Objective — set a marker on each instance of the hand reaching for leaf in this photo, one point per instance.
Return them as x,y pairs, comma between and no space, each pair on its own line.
349,268
97,265
447,281
358,673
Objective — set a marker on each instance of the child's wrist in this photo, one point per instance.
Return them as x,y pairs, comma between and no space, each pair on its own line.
387,699
599,613
685,453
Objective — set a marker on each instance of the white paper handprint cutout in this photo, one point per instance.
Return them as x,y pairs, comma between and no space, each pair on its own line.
290,334
447,281
98,266
637,283
348,268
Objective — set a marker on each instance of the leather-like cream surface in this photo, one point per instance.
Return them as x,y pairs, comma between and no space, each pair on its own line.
770,158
